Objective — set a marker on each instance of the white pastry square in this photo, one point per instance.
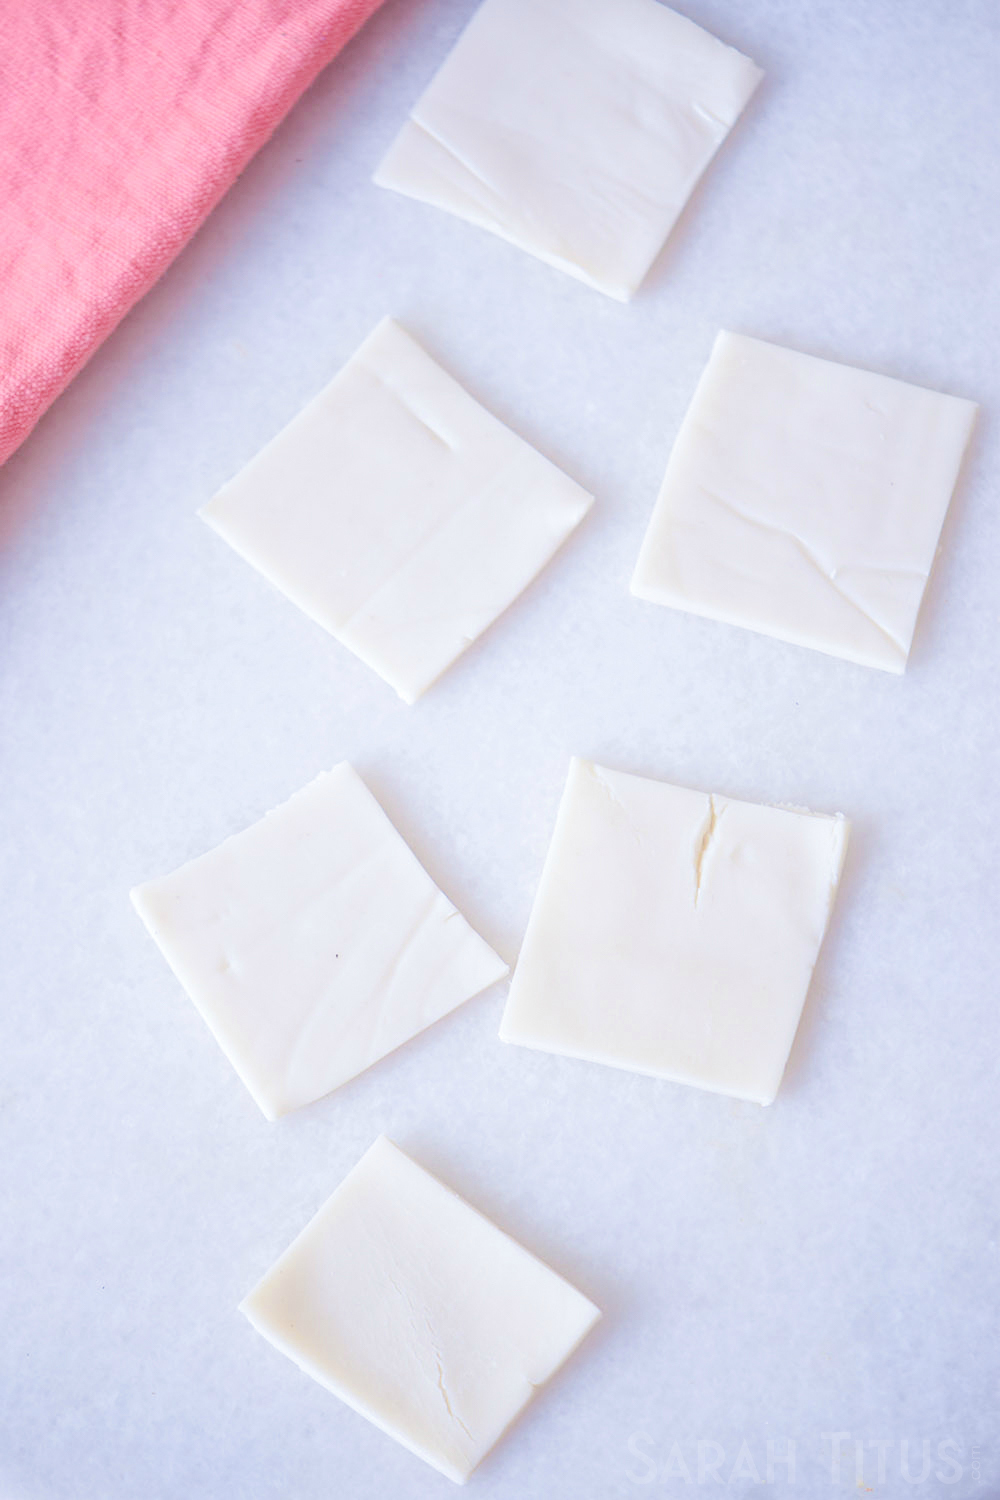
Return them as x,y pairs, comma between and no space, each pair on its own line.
576,129
397,512
675,933
804,499
419,1312
314,942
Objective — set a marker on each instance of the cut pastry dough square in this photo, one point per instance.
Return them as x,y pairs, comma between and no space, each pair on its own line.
675,933
314,942
576,129
397,512
804,499
418,1312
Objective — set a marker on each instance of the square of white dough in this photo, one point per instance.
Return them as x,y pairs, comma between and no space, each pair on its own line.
805,499
576,129
674,932
397,512
314,942
419,1312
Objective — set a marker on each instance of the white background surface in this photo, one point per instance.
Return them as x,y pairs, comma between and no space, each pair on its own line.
828,1264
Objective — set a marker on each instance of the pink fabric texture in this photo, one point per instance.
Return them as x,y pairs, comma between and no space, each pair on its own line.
122,124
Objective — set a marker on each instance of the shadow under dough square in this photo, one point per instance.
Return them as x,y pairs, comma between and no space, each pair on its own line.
805,499
576,129
418,1312
397,512
314,942
675,933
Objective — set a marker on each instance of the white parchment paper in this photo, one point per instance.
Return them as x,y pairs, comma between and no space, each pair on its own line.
826,1266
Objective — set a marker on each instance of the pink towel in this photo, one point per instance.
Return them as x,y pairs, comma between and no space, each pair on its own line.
122,123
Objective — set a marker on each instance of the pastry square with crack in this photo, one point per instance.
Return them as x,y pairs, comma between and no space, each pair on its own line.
675,933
